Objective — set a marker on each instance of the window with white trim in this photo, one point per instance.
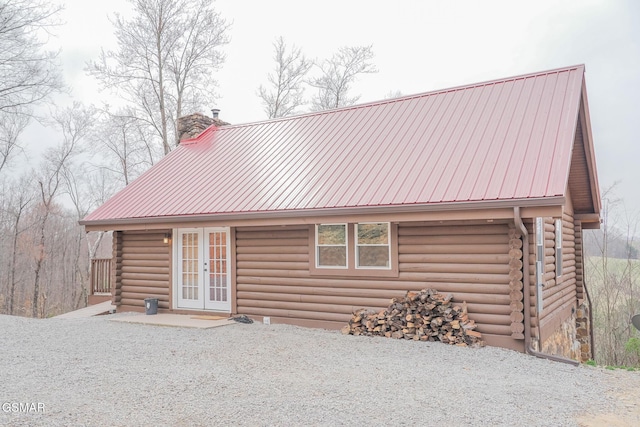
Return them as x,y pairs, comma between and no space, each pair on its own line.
331,245
373,249
365,249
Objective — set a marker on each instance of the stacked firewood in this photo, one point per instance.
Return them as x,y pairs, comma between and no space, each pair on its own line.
421,316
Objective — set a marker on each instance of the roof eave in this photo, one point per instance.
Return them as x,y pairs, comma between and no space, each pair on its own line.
589,221
111,224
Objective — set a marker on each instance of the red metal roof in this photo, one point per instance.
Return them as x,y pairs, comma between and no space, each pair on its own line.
498,140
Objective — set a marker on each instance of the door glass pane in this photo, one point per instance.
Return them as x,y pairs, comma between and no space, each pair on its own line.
217,266
190,271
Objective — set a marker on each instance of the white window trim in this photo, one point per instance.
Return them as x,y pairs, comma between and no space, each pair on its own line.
346,248
358,245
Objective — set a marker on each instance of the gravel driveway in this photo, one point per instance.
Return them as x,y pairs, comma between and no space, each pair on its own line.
97,372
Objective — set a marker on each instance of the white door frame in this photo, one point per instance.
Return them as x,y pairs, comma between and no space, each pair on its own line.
203,302
178,236
224,291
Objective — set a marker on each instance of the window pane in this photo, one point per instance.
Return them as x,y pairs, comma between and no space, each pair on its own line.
373,234
332,256
334,234
373,256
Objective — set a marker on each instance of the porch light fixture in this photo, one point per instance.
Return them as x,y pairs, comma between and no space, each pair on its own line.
167,238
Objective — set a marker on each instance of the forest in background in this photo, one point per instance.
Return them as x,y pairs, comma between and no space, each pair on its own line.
164,67
160,72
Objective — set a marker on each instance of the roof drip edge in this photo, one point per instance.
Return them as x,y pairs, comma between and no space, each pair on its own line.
442,207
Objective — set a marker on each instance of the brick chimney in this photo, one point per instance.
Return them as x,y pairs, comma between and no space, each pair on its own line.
194,124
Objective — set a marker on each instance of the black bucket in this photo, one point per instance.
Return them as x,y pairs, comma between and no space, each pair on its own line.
151,305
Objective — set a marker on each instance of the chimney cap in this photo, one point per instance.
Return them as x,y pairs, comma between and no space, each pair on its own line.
215,112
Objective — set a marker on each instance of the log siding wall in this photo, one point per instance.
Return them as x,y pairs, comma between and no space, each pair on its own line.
579,255
516,283
479,263
559,294
145,268
116,269
470,261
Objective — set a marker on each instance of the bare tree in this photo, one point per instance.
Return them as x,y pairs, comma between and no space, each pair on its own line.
393,94
12,124
123,142
74,123
100,186
285,91
87,189
43,262
28,72
614,280
167,53
19,198
338,74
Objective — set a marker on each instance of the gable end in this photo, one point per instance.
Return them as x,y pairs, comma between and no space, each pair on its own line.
579,184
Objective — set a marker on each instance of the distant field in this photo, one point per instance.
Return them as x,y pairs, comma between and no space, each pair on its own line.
615,267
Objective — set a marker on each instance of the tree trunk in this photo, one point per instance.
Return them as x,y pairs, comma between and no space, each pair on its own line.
178,115
78,278
163,112
12,271
39,261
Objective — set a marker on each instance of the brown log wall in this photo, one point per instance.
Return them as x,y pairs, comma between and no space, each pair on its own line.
116,269
476,262
479,263
579,260
145,268
559,293
516,283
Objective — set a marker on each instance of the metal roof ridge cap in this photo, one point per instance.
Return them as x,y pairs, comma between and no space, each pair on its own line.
467,86
323,112
408,97
402,98
201,135
426,207
499,80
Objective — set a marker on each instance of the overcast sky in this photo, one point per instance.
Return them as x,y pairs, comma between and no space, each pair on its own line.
419,46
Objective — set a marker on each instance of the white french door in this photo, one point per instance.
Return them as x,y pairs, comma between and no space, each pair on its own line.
203,268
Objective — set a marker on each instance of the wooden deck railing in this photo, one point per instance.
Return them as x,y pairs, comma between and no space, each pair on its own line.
100,276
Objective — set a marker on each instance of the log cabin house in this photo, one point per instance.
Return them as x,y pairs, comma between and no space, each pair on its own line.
481,191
